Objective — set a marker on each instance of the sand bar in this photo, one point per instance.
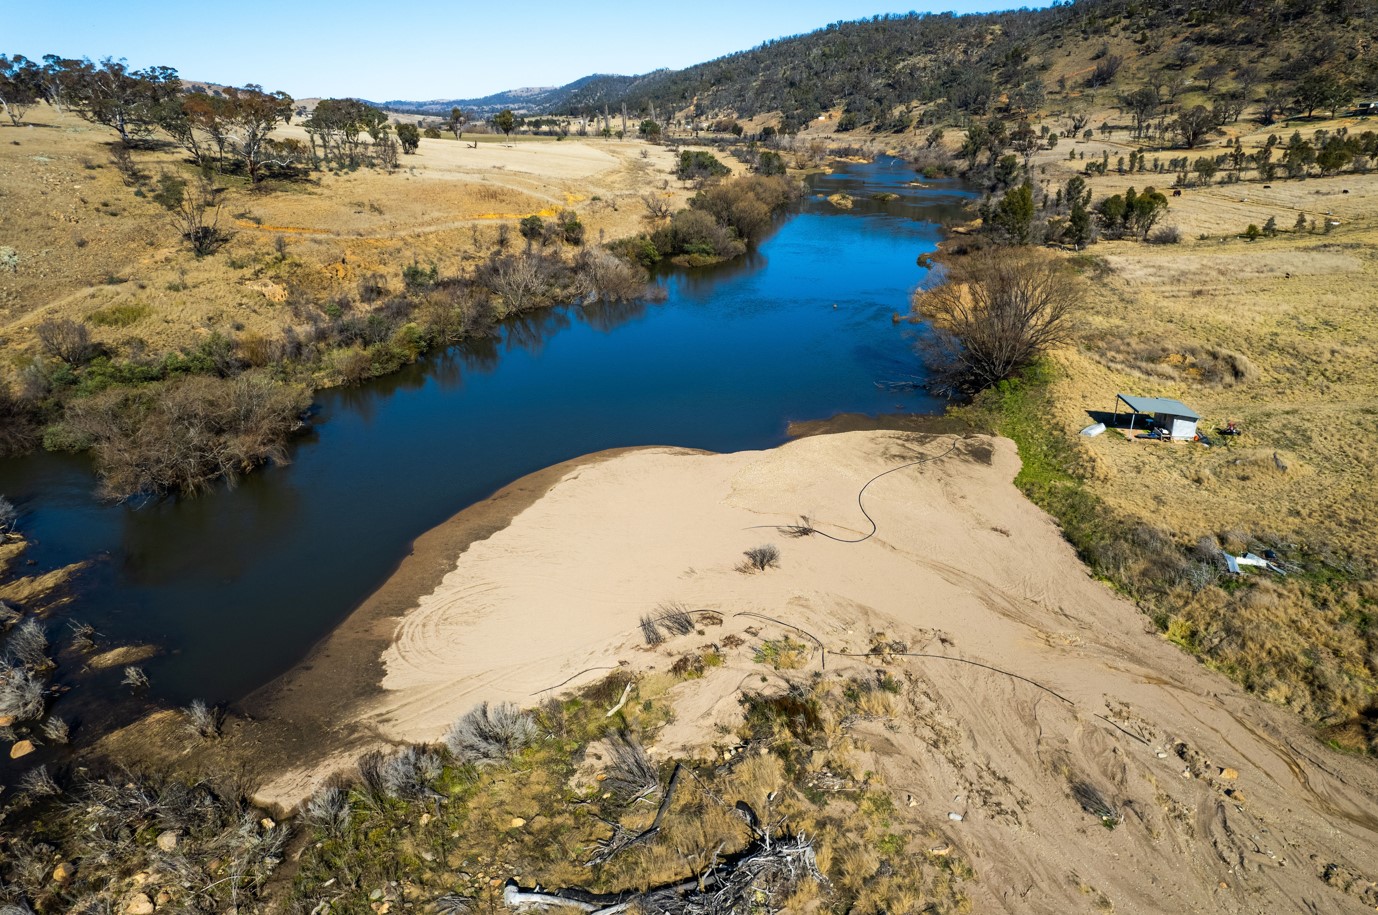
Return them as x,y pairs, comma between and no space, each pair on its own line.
1229,804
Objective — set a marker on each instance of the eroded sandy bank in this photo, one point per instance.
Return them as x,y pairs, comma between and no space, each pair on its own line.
1033,678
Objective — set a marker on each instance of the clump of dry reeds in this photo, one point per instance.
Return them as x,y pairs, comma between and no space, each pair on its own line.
203,720
489,734
760,558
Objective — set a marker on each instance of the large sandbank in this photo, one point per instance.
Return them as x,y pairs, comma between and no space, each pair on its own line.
1228,804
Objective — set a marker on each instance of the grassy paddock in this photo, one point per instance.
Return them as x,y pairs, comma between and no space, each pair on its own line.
1308,641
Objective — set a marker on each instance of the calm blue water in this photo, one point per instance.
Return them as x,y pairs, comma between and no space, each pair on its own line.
238,584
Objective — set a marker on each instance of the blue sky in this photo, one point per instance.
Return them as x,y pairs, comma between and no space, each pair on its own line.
420,49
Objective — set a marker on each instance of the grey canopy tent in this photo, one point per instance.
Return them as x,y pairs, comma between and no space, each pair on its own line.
1176,417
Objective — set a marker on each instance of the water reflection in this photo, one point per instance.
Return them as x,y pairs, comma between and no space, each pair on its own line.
530,330
239,583
608,316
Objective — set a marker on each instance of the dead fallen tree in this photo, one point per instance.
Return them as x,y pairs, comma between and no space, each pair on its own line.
767,870
622,839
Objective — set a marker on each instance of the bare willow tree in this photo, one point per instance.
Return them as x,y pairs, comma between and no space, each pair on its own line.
183,436
997,311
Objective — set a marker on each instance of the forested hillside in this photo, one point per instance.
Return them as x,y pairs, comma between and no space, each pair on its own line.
889,71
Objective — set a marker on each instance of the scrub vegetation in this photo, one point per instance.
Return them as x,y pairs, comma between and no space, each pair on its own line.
720,223
569,808
170,401
565,798
1197,165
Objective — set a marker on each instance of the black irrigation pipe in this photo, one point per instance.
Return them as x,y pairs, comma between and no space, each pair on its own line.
822,649
572,677
770,619
1123,731
944,657
813,530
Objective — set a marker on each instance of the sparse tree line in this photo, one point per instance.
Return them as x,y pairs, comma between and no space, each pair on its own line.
229,130
1019,211
181,421
1026,214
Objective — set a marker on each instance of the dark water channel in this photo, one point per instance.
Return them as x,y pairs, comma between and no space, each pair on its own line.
238,584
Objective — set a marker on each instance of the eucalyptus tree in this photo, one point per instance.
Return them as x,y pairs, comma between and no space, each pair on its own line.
130,102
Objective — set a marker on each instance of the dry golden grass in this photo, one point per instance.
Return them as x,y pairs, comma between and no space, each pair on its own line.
1277,335
1306,348
89,247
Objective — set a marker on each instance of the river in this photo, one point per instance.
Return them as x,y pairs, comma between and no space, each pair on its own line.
236,585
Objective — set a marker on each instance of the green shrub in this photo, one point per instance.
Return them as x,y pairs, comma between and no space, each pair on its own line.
639,249
770,163
532,228
698,164
416,277
571,229
748,204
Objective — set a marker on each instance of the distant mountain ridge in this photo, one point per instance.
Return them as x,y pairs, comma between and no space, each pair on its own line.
525,100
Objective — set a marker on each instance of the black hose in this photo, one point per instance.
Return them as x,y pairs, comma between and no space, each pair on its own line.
810,529
563,682
944,657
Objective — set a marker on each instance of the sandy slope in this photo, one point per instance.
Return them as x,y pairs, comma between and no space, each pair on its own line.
962,567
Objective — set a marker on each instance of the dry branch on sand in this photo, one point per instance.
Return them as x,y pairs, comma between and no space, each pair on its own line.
1094,803
650,631
630,775
673,618
676,618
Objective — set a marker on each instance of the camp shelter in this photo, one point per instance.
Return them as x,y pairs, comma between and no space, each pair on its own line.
1174,418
